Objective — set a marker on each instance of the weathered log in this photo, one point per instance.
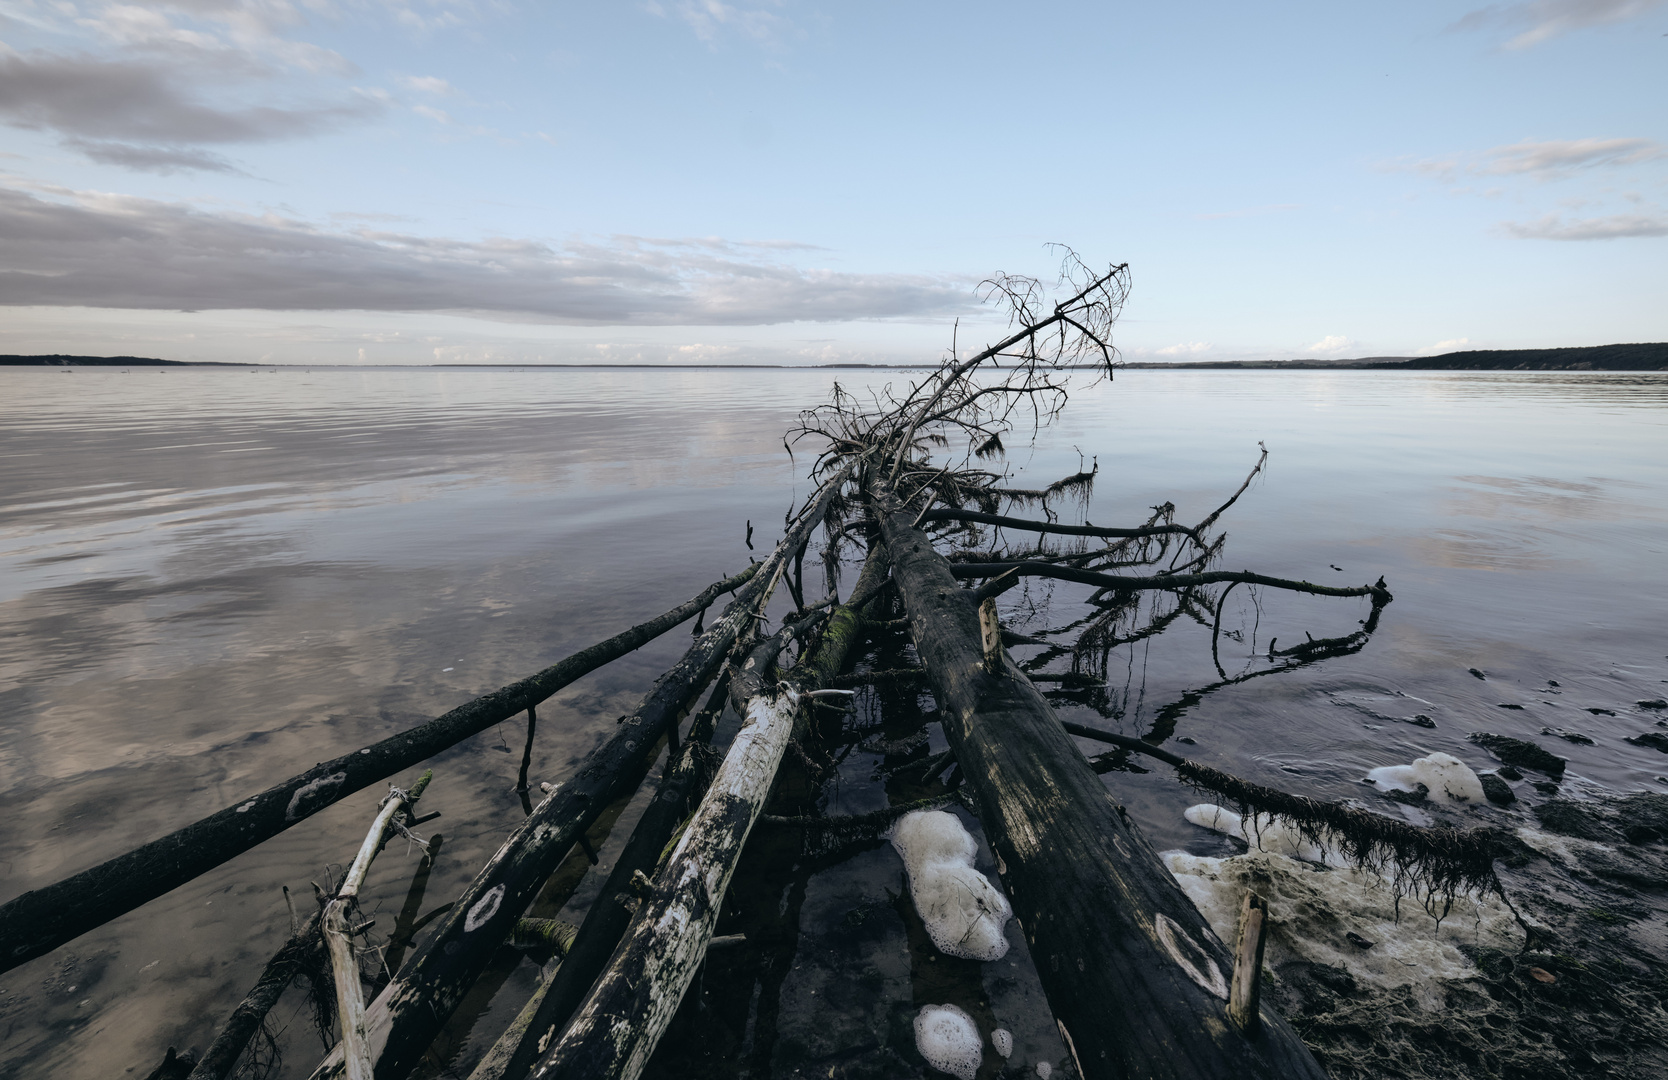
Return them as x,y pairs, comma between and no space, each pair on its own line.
39,921
1132,971
1245,987
682,786
407,1014
667,939
297,953
338,928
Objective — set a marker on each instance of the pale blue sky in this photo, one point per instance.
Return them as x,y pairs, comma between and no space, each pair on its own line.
332,181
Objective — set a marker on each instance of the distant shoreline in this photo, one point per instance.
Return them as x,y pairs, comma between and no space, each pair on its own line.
1628,357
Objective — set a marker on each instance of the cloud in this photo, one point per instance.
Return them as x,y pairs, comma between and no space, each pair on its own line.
103,99
708,18
1538,21
1451,345
1549,159
1186,348
1560,157
1614,227
158,159
112,251
429,84
1332,343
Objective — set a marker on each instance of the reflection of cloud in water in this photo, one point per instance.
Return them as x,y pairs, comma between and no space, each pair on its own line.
1520,498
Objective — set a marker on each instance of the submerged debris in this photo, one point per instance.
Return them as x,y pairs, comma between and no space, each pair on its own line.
1520,752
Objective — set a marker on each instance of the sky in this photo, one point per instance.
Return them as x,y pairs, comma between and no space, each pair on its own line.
430,181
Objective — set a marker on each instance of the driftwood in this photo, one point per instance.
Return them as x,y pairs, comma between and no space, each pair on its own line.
671,929
406,1015
1135,977
339,932
39,921
668,935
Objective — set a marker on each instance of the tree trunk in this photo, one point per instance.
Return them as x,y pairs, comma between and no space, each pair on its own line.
1135,977
39,921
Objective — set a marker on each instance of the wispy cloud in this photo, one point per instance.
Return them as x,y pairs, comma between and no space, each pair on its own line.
92,249
1451,345
166,160
1538,21
1549,159
104,99
709,19
1186,348
429,84
1613,227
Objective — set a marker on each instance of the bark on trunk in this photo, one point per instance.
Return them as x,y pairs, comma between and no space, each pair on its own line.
1133,973
222,1055
37,922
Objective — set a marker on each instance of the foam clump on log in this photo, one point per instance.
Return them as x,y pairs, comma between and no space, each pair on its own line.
1312,913
947,1037
1439,773
964,913
1263,832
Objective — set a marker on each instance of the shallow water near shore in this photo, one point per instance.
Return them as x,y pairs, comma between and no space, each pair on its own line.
213,578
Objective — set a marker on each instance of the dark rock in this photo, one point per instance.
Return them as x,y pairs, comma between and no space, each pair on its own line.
1412,797
1507,705
1553,682
1358,941
1520,752
1498,791
1641,834
1509,773
1658,703
1567,736
1477,673
174,1066
1189,740
1571,818
1601,712
1656,740
1419,720
1545,787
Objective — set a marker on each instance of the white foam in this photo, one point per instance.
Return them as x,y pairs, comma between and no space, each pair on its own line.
1442,774
964,913
1044,1069
949,1040
1264,832
1003,1040
1311,910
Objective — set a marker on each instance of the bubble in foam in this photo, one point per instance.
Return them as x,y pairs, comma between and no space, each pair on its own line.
1442,774
963,912
947,1037
1003,1040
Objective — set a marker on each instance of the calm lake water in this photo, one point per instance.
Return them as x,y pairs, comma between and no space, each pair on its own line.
212,579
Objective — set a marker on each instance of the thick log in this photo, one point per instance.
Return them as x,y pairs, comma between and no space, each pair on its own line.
1245,988
39,921
622,1019
411,1009
1135,977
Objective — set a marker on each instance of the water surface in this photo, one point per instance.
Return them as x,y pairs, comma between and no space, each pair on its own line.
214,578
